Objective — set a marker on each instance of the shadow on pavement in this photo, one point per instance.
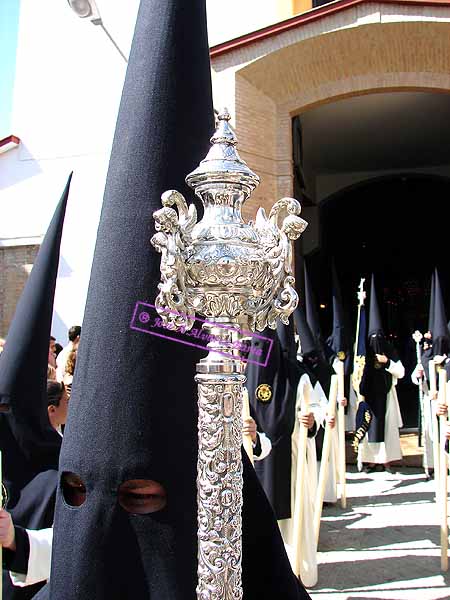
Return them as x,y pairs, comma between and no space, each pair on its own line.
378,571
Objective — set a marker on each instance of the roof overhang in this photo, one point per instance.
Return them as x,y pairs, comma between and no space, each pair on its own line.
310,16
9,143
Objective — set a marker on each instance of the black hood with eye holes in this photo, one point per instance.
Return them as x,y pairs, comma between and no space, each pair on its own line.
133,408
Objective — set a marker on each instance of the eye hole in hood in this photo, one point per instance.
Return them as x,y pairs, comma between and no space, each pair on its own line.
142,496
73,489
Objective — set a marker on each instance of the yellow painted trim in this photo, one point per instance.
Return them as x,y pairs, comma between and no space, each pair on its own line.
300,6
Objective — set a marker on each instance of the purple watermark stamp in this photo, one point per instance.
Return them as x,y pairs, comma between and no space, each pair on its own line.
255,348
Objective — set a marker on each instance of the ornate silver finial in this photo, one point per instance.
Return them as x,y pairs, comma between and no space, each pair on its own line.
222,267
224,134
223,163
232,273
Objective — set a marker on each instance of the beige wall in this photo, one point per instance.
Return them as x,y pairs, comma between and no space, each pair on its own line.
365,49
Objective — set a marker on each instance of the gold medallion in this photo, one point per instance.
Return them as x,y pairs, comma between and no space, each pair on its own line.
341,355
263,392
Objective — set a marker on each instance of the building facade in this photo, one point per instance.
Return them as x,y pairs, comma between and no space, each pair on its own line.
326,99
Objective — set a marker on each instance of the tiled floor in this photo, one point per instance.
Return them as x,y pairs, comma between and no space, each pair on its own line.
385,545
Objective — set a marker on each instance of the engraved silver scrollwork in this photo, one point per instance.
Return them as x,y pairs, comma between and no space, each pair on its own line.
235,273
219,488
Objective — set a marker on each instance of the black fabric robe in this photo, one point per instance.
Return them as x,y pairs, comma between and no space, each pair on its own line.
376,383
35,509
276,414
29,444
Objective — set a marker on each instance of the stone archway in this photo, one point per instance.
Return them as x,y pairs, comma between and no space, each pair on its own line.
362,49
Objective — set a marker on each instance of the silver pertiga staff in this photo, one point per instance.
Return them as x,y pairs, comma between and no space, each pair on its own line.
235,275
417,337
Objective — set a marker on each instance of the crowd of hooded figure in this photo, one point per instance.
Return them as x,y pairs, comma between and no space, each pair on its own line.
303,366
293,390
125,519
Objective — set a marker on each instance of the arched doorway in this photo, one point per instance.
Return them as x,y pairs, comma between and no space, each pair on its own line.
396,227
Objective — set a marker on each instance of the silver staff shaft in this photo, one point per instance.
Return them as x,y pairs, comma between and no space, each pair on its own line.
233,274
417,337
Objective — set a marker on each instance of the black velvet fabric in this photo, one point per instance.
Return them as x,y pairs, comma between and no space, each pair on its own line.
375,384
312,318
362,332
28,443
276,415
316,360
18,562
375,324
431,311
427,355
441,338
339,342
266,572
313,360
34,510
133,409
307,342
376,381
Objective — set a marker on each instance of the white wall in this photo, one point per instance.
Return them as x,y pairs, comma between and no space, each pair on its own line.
68,83
230,19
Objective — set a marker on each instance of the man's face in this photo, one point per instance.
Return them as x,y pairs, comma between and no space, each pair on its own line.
52,346
60,412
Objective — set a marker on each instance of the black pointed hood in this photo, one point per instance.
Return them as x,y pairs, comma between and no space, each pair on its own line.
28,442
375,325
312,317
431,309
134,393
377,341
307,342
441,338
133,408
272,393
311,359
339,340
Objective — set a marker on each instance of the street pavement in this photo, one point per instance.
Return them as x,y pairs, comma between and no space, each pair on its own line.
385,544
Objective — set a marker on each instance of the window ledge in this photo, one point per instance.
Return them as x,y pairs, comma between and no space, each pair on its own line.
9,143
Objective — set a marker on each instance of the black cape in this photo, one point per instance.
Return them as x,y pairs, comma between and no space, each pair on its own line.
339,343
275,412
441,337
376,381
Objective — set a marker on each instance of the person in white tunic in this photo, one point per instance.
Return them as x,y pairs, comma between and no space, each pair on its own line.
313,419
308,566
436,348
318,372
420,376
381,371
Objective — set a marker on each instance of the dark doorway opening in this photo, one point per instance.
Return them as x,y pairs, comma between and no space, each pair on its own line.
398,228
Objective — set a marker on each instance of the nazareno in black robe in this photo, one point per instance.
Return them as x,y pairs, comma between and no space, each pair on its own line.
376,383
275,412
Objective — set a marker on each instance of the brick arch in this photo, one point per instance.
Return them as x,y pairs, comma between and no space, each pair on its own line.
324,67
